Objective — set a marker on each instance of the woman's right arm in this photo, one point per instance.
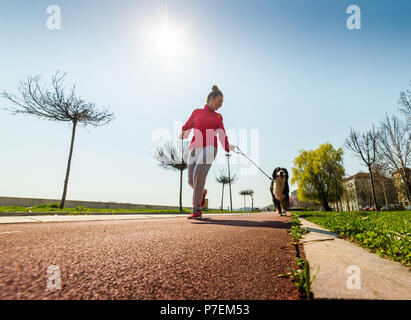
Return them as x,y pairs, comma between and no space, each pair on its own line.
185,131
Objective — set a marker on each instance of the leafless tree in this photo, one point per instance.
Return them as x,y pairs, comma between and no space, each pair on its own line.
364,192
364,147
395,149
385,183
405,103
245,193
224,179
172,157
55,105
251,194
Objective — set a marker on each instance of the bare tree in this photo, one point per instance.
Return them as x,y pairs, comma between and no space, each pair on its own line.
251,194
395,149
171,157
245,193
364,191
385,183
55,105
405,102
380,171
224,179
364,147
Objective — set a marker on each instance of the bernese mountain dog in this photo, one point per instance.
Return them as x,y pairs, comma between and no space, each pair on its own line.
280,190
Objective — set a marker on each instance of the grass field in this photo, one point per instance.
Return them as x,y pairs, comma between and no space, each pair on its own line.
386,233
82,210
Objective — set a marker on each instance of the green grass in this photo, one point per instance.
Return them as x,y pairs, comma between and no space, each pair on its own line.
301,277
296,230
54,207
386,233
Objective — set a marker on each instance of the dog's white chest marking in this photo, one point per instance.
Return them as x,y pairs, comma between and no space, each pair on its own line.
278,189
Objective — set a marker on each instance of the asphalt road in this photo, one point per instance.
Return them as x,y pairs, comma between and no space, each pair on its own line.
221,257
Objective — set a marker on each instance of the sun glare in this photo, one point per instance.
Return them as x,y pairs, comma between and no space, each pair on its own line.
168,42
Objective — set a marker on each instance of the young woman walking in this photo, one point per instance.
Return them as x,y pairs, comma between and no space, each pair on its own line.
206,124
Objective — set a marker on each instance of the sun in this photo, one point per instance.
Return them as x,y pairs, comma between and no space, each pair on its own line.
165,41
168,42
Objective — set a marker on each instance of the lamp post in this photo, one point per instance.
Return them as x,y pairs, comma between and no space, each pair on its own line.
229,180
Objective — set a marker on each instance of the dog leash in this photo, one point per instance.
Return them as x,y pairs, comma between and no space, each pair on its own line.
240,152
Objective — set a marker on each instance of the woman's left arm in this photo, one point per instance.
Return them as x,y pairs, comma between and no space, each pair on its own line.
222,135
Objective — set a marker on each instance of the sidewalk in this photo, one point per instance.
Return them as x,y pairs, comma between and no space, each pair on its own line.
344,264
100,217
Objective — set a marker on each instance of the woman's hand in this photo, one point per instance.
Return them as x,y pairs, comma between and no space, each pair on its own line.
231,147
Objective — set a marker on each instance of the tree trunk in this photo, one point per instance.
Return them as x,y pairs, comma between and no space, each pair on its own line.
244,204
222,198
385,192
407,183
373,189
229,184
325,204
181,190
336,195
73,134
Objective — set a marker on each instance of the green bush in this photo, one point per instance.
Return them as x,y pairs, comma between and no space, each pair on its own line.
45,207
80,208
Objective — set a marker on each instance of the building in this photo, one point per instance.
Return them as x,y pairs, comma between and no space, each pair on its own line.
358,192
401,190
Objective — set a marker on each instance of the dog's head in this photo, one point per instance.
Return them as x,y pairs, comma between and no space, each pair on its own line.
280,174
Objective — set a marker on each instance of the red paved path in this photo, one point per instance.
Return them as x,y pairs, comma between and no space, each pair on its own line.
223,257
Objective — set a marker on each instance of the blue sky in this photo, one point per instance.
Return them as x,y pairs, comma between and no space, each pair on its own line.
291,70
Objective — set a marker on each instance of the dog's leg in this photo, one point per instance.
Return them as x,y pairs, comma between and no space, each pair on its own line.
285,204
277,206
280,209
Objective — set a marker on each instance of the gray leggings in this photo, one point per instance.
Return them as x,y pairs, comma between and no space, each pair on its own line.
199,163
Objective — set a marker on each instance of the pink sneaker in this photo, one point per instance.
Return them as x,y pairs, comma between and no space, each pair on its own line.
195,215
204,195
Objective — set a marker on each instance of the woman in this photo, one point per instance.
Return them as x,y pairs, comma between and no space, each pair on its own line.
206,123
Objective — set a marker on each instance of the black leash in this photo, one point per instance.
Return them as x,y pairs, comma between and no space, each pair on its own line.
240,152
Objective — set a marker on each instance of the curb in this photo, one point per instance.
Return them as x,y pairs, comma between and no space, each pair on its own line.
349,271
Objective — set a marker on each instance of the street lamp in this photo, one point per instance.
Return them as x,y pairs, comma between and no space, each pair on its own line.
229,180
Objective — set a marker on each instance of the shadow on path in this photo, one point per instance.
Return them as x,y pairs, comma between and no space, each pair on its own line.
245,223
315,230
